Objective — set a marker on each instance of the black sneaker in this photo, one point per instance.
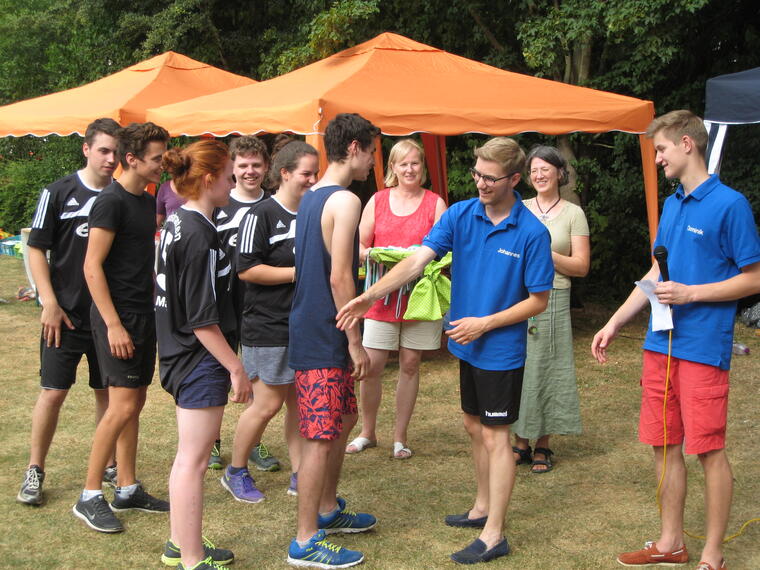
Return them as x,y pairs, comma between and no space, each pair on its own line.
109,476
172,555
139,501
96,514
31,489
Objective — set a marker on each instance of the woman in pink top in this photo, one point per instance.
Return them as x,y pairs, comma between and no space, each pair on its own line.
400,216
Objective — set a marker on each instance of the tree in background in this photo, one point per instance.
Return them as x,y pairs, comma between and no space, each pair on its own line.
652,49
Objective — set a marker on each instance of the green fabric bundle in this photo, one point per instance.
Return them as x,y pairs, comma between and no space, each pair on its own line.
431,296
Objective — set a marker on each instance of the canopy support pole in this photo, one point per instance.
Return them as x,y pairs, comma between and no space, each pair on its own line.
435,153
650,184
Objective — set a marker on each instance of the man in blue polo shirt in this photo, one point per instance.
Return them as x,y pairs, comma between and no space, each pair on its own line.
501,275
713,259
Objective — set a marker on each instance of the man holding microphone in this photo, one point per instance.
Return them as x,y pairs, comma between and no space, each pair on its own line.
714,259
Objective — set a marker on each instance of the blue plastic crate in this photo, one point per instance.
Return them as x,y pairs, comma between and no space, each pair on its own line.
11,246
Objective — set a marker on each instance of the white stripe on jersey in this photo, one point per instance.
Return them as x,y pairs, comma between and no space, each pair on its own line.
212,270
39,216
291,234
245,241
84,211
235,221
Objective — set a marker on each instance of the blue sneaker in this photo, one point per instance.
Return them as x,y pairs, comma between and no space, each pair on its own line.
322,554
345,521
293,487
241,486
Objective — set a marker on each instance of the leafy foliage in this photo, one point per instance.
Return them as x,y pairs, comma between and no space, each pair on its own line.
23,177
653,49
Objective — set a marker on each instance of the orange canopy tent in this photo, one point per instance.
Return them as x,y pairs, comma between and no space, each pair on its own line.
406,87
123,96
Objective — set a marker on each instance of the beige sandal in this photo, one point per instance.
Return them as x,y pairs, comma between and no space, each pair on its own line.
359,444
401,451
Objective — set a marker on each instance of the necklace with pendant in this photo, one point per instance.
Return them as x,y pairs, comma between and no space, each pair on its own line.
545,215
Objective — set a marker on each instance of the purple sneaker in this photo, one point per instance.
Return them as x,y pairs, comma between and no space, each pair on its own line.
241,486
293,487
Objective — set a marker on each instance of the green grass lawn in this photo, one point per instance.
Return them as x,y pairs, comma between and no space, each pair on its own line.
598,501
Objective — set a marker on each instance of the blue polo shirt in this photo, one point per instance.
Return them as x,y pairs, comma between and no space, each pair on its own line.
493,268
710,235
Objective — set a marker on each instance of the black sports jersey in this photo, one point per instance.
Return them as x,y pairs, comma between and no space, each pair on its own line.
267,236
60,226
227,220
129,264
191,285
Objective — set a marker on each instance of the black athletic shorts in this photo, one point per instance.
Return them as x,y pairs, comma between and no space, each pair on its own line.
58,366
134,372
494,395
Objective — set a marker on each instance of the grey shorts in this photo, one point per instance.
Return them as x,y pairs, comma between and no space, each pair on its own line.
269,364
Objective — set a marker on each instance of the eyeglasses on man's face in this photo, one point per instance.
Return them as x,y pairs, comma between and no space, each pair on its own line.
488,180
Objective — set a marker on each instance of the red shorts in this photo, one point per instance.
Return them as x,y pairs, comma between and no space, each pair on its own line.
324,396
697,403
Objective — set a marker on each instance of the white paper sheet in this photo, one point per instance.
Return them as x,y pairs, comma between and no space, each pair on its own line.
662,318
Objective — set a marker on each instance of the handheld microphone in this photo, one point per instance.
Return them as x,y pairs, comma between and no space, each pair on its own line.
661,255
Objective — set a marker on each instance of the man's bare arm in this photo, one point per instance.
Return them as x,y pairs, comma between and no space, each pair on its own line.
468,329
53,316
343,210
268,275
401,274
632,306
99,244
743,285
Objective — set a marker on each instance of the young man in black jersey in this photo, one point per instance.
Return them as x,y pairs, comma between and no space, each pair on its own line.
118,269
250,163
60,227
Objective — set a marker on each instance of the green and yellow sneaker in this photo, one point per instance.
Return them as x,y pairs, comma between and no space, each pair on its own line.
263,460
220,556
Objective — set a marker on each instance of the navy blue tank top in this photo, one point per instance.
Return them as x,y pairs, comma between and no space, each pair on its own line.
315,342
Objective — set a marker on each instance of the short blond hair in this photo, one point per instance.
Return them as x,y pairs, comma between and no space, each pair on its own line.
676,124
398,152
503,151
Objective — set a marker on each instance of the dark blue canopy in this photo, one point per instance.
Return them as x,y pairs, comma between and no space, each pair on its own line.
733,98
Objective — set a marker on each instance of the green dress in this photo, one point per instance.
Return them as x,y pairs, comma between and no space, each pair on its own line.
549,402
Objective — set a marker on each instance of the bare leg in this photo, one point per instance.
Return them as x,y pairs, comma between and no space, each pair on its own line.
672,497
334,465
501,481
44,422
122,414
371,392
311,479
292,437
101,405
719,485
480,459
253,421
197,431
406,391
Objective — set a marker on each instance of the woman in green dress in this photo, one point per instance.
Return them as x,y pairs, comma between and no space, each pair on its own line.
549,403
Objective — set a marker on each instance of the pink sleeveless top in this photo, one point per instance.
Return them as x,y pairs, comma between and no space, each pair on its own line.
399,231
